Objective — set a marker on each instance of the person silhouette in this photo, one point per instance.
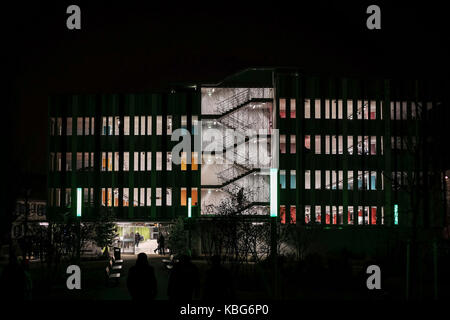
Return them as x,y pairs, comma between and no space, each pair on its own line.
137,239
13,281
183,280
141,281
218,283
161,244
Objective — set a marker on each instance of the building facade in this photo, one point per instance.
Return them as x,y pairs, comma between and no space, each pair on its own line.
346,151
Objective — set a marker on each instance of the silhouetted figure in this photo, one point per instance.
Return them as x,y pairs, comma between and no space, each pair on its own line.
141,280
137,238
13,281
183,280
161,244
218,283
240,197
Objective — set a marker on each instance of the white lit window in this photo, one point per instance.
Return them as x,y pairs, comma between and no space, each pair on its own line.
159,125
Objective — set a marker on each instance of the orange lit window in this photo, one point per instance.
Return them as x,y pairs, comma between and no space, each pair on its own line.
194,196
183,196
103,197
194,162
183,161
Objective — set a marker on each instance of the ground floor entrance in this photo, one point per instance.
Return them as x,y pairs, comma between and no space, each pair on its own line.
137,237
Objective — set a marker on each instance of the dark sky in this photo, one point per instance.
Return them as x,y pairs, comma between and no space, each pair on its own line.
143,46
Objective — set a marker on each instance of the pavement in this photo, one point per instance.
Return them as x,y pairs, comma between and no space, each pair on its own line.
93,286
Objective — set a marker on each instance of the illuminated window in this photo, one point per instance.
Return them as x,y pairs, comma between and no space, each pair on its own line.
317,109
116,161
184,122
282,108
327,109
69,161
142,161
318,214
307,109
92,126
86,126
293,217
318,145
293,180
148,198
307,214
327,144
126,125
149,125
169,196
282,143
339,109
69,126
340,144
183,161
126,161
283,214
317,179
136,125
350,144
159,125
308,179
158,197
350,109
59,126
293,144
116,126
194,196
307,142
116,197
194,124
142,197
79,126
169,125
183,197
283,179
149,161
169,161
125,197
333,109
79,160
136,162
135,197
293,107
194,161
58,197
143,127
68,197
158,161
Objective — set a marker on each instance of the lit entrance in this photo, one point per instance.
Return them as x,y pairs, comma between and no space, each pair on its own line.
148,232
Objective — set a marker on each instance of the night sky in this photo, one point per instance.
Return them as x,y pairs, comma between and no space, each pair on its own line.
142,46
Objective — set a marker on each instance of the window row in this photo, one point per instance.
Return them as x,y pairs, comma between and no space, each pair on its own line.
110,197
364,109
142,161
334,144
333,180
334,214
111,125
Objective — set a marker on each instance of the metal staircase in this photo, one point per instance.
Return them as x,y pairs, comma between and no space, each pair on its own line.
242,166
